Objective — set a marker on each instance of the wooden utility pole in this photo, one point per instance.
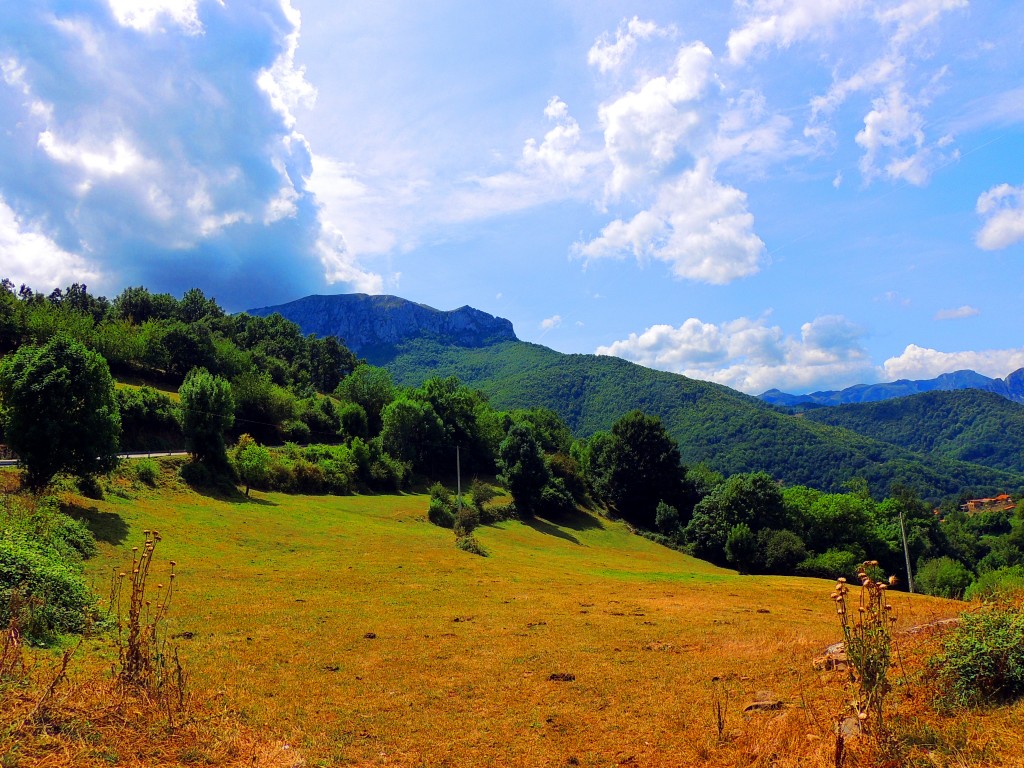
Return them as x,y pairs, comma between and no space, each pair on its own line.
906,554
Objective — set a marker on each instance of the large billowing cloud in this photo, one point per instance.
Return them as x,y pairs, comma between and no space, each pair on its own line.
155,143
923,363
34,258
751,355
698,226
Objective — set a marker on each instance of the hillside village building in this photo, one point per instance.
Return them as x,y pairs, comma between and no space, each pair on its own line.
999,503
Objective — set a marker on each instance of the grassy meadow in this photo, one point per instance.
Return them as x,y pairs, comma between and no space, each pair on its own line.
350,631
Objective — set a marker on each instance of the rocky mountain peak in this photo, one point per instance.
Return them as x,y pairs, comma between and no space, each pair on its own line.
366,322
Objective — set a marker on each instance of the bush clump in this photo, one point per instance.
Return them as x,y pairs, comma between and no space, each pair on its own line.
471,544
47,595
998,584
982,660
943,577
441,510
147,471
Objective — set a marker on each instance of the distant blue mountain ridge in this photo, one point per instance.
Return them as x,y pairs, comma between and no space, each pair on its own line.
1012,388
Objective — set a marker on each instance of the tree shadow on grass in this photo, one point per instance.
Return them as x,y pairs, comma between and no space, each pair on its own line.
108,527
543,526
217,486
229,494
579,520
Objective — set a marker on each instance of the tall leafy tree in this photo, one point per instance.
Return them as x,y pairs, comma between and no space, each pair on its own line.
753,500
412,432
523,469
58,410
207,412
644,468
370,387
329,362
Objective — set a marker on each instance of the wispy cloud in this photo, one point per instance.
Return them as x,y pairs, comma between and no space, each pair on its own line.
958,313
551,322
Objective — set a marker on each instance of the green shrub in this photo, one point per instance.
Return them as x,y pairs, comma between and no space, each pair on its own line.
666,517
74,533
295,431
780,551
469,543
982,660
388,473
998,584
943,577
441,510
307,477
147,471
49,530
498,514
741,548
339,475
466,520
555,499
829,563
480,495
90,487
49,594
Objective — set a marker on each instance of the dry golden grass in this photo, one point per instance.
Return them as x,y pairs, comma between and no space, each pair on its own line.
353,632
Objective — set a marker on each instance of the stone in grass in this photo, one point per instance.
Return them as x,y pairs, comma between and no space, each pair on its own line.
562,677
764,701
370,635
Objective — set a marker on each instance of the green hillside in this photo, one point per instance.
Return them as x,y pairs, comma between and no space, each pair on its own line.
729,431
965,425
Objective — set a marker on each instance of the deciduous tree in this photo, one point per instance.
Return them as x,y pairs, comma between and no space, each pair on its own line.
58,410
207,412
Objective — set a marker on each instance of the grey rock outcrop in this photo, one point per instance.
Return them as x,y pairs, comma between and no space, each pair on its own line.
366,322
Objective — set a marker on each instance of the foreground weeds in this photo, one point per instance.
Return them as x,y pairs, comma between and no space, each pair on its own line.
71,709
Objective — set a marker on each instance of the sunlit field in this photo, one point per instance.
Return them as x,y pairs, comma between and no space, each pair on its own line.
350,631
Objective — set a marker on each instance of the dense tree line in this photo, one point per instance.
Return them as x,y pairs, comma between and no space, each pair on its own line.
262,379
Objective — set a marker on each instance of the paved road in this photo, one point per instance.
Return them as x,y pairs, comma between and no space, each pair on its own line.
134,455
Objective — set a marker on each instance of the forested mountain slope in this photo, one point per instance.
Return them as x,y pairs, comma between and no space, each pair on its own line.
727,430
968,425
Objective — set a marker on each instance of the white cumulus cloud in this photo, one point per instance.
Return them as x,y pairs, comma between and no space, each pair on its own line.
698,226
923,363
645,128
145,15
157,140
751,355
30,257
894,71
1002,207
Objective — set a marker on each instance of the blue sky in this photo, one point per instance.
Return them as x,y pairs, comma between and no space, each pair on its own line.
799,194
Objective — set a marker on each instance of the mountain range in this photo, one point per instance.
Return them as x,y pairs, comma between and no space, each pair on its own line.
727,430
1012,388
